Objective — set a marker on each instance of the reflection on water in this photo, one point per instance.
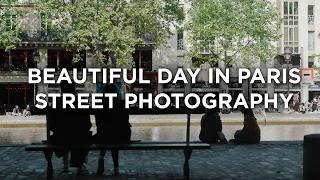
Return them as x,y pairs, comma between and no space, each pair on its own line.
269,133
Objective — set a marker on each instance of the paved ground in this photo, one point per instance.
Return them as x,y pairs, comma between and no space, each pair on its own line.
268,160
175,119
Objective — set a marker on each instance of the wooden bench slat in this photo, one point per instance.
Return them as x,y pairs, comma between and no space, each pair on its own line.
132,146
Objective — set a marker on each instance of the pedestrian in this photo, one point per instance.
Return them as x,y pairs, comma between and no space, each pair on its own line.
250,133
280,105
296,99
211,127
314,103
113,127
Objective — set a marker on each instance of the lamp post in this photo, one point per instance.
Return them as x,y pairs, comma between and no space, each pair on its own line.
288,57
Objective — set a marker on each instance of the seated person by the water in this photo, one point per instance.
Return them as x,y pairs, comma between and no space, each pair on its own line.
112,127
302,108
70,127
211,127
250,134
16,111
27,111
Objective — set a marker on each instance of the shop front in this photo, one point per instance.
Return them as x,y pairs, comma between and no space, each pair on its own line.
20,94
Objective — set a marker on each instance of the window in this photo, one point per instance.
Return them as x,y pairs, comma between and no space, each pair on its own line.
4,60
180,41
311,41
64,59
205,49
311,15
18,59
310,62
9,22
46,23
291,12
143,59
291,29
52,59
291,38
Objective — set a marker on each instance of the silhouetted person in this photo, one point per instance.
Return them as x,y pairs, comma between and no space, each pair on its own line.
250,134
113,127
70,127
211,127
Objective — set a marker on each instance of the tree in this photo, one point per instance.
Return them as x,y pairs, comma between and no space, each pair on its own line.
10,30
232,31
315,66
112,26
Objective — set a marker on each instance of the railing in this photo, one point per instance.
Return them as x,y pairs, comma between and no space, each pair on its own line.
146,38
180,45
311,45
41,36
311,19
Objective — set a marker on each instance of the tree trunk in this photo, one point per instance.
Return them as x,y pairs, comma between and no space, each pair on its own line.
113,60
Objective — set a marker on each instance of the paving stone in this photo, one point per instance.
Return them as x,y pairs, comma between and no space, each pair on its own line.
256,162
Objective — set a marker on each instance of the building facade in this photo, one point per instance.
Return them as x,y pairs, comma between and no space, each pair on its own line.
300,33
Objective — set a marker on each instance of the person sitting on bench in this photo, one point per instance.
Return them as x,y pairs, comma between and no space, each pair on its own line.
250,134
113,127
211,127
70,127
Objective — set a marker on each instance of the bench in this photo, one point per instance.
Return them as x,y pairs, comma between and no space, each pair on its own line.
141,145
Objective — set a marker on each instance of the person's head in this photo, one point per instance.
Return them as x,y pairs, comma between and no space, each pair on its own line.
246,111
66,87
213,110
16,106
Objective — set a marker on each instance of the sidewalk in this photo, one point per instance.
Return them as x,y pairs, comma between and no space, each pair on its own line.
267,160
176,120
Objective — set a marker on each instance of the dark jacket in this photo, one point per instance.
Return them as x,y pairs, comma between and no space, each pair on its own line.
69,126
210,125
113,125
251,126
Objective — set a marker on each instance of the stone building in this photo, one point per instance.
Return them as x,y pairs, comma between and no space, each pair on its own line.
300,30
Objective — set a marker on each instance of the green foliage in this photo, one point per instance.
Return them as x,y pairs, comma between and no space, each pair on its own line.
239,31
10,17
114,26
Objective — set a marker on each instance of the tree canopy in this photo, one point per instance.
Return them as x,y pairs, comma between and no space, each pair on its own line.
112,26
233,31
10,17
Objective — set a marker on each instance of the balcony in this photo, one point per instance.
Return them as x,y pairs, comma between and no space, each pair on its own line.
146,38
41,36
311,45
180,45
311,19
